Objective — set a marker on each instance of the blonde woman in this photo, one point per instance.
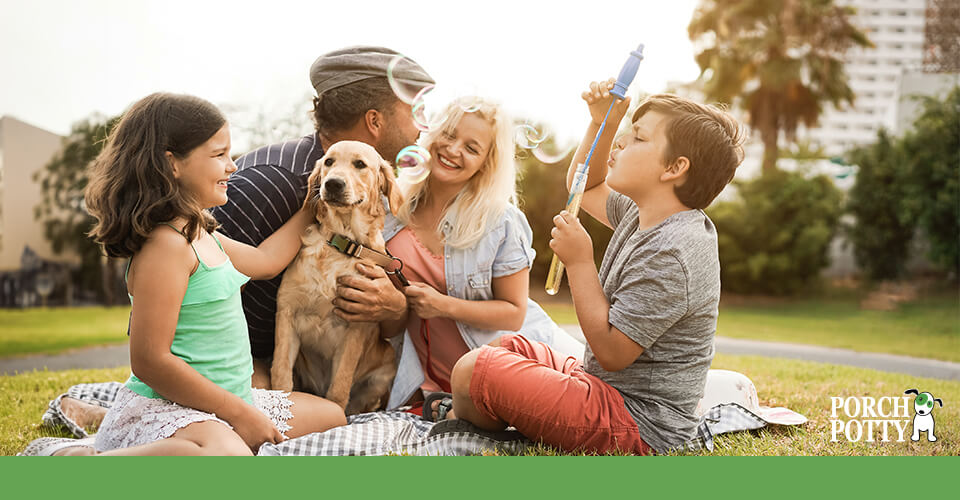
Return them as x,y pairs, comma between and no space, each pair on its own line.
466,249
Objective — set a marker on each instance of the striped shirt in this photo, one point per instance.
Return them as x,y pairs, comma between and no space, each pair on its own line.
266,190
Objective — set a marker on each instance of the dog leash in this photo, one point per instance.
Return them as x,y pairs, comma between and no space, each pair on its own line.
390,264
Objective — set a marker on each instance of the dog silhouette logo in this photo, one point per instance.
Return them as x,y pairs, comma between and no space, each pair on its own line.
923,420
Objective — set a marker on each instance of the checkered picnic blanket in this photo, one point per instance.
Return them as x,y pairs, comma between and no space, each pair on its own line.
392,432
403,433
101,394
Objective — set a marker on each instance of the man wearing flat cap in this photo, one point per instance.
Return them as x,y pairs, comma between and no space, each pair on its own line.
354,102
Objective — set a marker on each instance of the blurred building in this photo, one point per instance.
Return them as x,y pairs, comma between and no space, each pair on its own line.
27,260
878,75
917,83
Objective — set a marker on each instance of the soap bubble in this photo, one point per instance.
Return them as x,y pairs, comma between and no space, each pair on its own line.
406,92
412,164
469,103
412,156
414,175
428,102
549,153
528,137
426,112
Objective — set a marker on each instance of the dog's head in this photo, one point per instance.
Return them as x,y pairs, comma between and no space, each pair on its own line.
923,404
351,175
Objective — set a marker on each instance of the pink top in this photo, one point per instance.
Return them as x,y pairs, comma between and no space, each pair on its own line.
446,344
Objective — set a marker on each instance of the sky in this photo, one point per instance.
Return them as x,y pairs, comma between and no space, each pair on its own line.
62,61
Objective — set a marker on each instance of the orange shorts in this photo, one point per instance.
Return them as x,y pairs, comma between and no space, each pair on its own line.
548,397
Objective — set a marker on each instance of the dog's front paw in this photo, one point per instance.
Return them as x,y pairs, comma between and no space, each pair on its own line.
281,381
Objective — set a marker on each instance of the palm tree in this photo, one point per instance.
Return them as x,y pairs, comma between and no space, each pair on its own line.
780,60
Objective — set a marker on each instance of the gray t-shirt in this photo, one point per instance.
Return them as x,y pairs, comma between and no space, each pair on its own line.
663,285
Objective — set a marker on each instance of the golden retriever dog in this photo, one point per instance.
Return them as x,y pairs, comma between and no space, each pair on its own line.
317,351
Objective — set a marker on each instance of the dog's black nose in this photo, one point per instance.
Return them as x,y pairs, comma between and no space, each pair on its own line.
334,185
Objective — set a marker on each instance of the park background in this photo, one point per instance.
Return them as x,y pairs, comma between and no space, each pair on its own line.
840,230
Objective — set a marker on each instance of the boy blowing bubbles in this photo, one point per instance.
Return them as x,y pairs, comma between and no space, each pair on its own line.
649,315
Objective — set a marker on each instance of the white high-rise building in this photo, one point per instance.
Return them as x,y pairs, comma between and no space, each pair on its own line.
896,28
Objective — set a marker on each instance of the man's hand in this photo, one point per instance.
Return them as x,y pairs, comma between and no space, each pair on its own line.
370,297
425,300
570,241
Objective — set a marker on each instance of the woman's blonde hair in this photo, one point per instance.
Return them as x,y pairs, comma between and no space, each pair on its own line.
488,193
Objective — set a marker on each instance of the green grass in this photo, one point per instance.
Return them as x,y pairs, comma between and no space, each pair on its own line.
927,328
807,387
53,330
803,386
24,397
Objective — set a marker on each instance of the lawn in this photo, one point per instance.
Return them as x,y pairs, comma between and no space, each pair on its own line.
24,397
35,331
927,328
803,386
806,387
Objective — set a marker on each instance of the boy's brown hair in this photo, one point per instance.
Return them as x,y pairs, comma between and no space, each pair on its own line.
707,136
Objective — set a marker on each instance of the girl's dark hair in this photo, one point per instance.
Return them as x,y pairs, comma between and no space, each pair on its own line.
131,186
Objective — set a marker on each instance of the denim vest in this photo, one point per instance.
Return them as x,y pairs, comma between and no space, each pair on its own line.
502,251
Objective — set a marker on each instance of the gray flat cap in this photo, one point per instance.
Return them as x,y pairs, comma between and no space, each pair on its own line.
352,64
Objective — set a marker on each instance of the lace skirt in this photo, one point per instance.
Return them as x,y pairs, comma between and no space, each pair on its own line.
134,419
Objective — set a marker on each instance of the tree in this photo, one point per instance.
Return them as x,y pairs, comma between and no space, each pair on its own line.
254,126
62,213
910,186
775,237
932,149
780,60
883,229
942,37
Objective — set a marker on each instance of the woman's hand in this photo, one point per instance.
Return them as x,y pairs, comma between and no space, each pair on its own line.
426,301
598,99
570,241
255,428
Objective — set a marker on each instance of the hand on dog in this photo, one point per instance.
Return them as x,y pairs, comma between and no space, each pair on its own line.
369,297
255,428
426,301
570,241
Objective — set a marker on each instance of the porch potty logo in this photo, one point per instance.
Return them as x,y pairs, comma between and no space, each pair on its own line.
881,419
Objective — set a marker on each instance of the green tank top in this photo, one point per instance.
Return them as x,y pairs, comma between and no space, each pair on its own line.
211,334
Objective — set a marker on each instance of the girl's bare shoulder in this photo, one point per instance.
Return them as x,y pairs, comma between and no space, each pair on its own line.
165,244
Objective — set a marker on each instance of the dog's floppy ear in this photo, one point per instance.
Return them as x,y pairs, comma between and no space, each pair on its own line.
312,202
389,186
911,391
938,400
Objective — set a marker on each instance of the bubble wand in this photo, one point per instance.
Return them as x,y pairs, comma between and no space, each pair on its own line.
619,91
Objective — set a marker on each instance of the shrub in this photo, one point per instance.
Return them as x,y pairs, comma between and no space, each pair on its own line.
774,238
883,228
932,149
906,186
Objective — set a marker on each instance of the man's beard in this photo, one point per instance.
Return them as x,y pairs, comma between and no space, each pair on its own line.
391,145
